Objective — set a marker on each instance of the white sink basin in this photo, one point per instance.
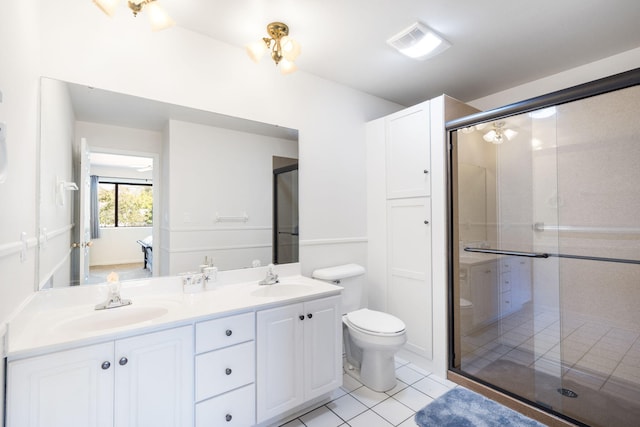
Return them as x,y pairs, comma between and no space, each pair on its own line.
99,320
281,290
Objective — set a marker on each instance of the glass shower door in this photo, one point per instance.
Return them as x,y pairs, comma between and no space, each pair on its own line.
546,211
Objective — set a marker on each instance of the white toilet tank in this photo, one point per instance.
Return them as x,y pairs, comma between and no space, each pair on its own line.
351,278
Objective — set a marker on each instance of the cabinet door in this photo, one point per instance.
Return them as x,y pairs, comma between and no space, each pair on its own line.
409,292
154,379
485,291
279,334
322,346
67,388
408,153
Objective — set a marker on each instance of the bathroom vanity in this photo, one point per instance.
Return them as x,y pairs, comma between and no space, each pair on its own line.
238,354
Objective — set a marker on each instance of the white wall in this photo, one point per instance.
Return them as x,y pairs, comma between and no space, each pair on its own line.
215,171
118,246
615,64
55,206
19,111
177,66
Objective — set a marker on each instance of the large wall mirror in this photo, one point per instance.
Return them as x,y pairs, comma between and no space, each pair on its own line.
147,188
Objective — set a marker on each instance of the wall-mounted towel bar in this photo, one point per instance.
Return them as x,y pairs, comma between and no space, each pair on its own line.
547,255
540,226
240,218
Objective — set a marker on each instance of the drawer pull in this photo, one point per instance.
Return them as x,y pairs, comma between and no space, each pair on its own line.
123,361
301,317
310,315
228,332
228,371
106,365
228,417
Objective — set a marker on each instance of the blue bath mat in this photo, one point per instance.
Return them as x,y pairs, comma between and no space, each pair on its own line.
461,407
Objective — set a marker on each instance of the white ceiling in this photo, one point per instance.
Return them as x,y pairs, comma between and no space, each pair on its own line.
496,44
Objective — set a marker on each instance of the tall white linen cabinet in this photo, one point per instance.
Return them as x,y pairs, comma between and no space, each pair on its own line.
407,222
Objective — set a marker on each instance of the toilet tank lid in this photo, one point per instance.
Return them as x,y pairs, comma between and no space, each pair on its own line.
338,272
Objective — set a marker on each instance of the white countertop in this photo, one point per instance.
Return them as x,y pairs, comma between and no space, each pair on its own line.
55,319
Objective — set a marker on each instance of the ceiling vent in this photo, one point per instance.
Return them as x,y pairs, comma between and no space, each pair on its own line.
418,42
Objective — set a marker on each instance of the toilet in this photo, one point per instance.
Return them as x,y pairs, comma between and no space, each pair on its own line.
371,338
466,316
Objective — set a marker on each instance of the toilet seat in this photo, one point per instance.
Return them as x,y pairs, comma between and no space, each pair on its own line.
375,322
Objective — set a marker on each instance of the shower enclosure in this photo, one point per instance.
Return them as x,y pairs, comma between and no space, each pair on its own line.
545,251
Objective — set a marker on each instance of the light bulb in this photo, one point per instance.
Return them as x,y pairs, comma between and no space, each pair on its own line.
107,6
287,67
256,50
158,17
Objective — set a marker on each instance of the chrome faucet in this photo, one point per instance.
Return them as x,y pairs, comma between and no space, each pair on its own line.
113,300
271,278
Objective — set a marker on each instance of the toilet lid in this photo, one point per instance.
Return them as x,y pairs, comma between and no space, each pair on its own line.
376,321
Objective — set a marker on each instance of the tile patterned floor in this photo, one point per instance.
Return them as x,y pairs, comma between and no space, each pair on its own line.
354,405
589,351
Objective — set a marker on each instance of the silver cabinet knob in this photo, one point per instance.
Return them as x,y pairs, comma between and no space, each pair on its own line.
228,417
123,361
106,365
310,315
426,221
426,171
301,317
228,371
228,332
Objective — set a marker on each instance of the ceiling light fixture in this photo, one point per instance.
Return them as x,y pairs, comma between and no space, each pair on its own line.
419,42
498,133
284,50
158,17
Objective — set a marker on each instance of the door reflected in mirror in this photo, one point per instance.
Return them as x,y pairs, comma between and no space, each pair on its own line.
213,180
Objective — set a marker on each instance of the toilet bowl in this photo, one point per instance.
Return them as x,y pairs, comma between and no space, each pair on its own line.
466,316
372,339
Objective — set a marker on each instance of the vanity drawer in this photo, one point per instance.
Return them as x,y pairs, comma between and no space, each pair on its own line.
222,370
236,408
223,332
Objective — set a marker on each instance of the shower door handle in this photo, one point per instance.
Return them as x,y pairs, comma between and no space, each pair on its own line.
507,252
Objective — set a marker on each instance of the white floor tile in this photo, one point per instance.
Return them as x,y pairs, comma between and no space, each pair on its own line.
408,375
294,423
399,386
443,381
369,397
369,419
321,417
349,383
346,407
408,423
418,369
430,387
393,411
412,398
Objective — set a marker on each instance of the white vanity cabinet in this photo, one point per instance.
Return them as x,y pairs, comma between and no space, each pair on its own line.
299,354
225,371
145,380
515,283
485,292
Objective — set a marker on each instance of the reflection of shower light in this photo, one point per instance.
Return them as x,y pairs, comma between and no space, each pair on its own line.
498,134
468,130
543,114
536,144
